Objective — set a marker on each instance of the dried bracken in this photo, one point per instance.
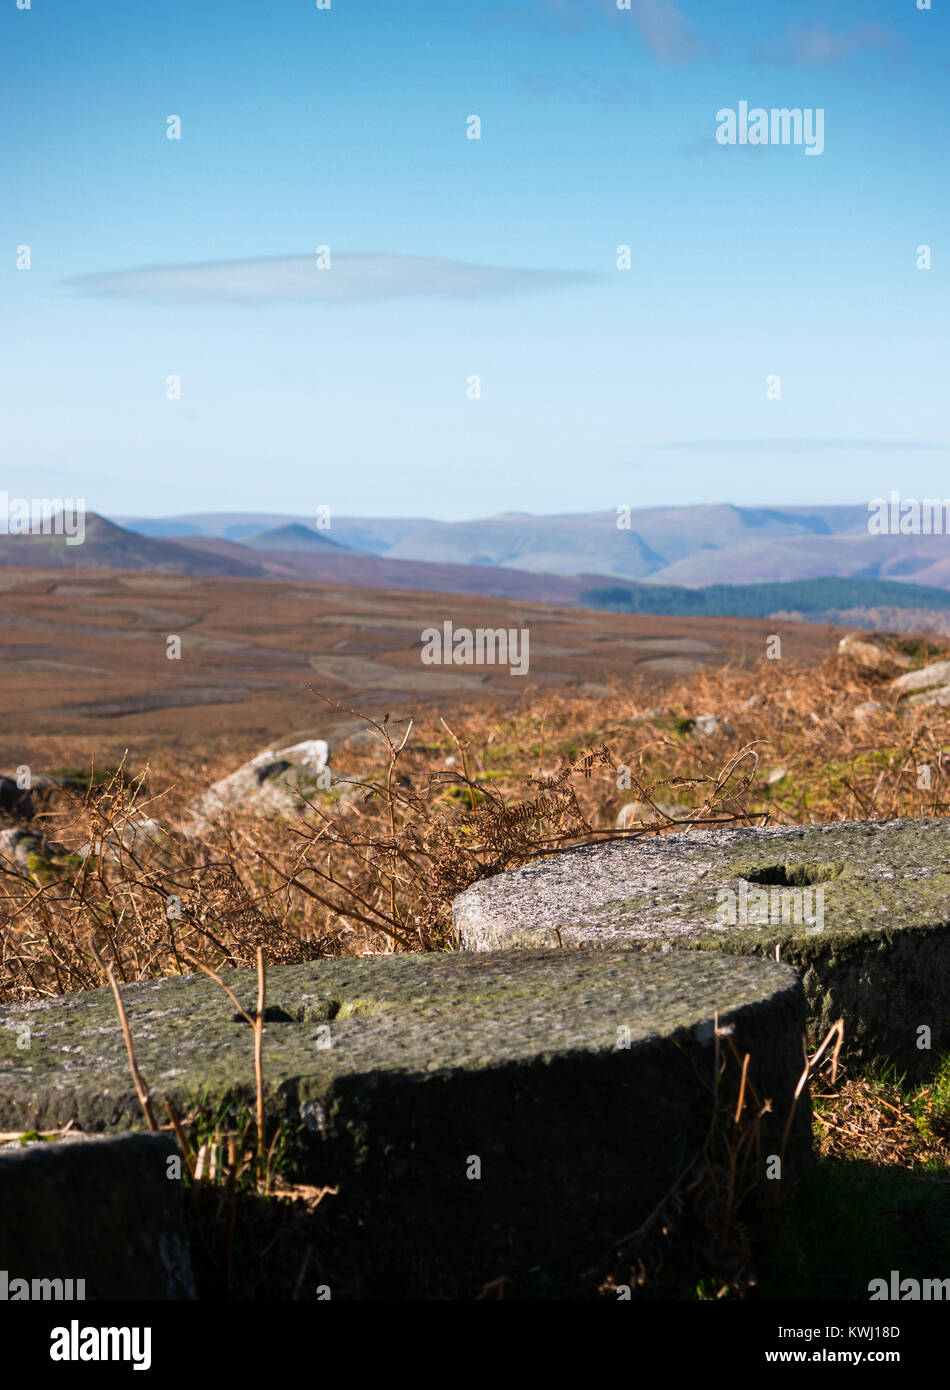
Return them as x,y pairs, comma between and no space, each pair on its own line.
874,1121
431,806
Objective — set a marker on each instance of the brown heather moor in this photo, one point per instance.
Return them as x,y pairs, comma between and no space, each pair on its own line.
442,802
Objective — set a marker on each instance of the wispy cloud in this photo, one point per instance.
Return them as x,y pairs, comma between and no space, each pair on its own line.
351,279
585,86
668,34
818,45
798,445
661,25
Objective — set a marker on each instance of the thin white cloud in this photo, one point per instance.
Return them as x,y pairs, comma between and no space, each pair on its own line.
351,279
797,445
818,45
585,86
662,27
668,34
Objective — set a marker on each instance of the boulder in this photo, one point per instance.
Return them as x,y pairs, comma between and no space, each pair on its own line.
280,783
870,655
873,652
15,802
928,686
860,908
709,725
927,678
35,853
940,696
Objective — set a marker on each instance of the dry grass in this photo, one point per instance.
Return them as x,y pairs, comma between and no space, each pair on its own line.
875,1120
439,806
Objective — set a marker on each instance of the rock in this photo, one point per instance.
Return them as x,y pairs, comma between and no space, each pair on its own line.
636,812
15,802
274,783
34,853
878,952
776,775
871,655
100,1210
753,702
15,845
867,710
709,725
649,715
940,696
937,674
572,1084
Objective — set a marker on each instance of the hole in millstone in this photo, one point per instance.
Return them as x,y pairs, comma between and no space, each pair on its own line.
320,1012
796,875
271,1015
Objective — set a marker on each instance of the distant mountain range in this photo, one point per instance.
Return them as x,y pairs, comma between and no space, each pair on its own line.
374,534
719,560
689,546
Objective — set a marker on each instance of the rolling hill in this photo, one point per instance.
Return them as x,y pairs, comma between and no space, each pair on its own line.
645,543
374,534
795,566
107,546
293,537
690,545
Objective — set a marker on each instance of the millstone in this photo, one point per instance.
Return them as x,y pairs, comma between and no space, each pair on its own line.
101,1211
483,1116
860,908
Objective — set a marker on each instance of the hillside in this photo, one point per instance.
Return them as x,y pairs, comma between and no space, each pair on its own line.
921,559
594,543
86,663
813,599
107,546
851,580
349,566
374,534
293,537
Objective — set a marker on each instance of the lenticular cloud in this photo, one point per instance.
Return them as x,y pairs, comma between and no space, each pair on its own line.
347,279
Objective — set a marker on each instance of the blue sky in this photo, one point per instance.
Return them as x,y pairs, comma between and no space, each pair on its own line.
453,257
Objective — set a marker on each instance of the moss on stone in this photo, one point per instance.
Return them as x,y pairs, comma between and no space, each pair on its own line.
580,1081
